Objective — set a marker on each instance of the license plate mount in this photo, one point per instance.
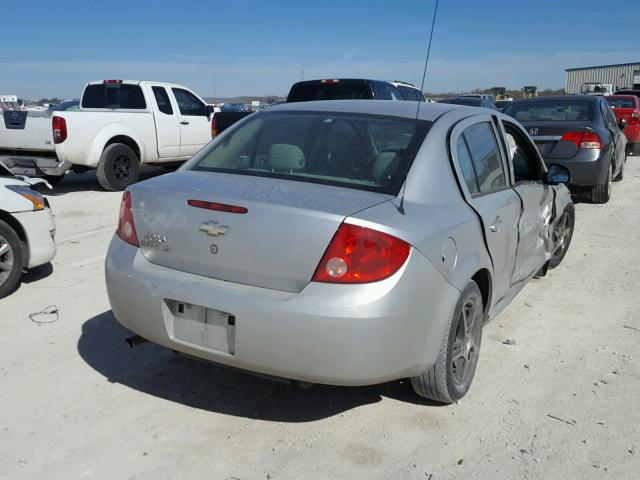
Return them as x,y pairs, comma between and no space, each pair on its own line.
204,327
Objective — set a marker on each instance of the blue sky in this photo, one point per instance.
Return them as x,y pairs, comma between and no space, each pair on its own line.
257,47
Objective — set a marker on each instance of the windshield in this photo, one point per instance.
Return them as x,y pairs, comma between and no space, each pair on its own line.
368,152
67,105
554,111
621,102
4,171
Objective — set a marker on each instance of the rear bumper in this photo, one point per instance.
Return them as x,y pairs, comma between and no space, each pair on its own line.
40,230
587,168
331,334
35,166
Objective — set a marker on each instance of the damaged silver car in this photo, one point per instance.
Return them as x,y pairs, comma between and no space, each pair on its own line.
342,242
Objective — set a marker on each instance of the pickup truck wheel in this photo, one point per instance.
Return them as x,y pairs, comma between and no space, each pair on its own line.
602,193
118,168
11,257
450,378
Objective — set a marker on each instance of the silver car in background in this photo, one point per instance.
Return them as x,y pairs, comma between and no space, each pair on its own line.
342,242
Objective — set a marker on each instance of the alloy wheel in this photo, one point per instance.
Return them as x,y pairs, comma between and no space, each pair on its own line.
6,259
122,168
466,344
561,234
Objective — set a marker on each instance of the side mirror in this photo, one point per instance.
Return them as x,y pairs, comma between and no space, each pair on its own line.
209,109
558,174
623,124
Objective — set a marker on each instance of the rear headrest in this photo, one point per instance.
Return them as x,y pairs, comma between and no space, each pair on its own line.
283,156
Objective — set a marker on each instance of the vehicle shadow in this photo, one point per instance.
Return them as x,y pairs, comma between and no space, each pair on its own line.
157,371
38,273
87,182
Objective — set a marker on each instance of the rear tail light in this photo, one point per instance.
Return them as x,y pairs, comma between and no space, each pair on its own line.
635,119
214,127
361,255
126,226
586,140
59,126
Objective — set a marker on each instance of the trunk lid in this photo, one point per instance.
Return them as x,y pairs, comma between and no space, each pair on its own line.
548,137
277,244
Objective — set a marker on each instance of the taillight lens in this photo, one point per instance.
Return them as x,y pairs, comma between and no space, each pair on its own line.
635,119
361,255
214,127
126,225
586,140
59,126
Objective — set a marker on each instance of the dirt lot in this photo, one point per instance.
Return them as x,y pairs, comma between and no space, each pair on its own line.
560,403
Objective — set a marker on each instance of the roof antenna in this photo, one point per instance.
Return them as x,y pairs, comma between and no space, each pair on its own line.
424,76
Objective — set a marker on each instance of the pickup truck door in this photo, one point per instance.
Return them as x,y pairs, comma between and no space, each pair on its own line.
480,165
167,124
195,123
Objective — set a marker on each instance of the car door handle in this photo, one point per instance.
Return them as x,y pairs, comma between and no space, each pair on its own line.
184,122
496,226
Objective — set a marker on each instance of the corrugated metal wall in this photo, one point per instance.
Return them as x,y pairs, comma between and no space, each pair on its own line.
612,74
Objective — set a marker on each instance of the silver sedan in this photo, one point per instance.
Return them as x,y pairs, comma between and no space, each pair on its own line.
341,242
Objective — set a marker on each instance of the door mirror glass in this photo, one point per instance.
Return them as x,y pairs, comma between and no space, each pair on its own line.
623,123
209,109
558,174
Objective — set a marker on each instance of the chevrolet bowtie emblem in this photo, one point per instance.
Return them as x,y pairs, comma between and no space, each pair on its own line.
213,229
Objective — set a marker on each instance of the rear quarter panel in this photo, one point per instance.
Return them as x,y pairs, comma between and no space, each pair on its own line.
90,131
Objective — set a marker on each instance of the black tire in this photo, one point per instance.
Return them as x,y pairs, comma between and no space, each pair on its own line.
620,174
602,193
118,168
11,259
562,235
450,378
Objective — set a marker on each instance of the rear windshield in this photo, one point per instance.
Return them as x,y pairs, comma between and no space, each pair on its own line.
113,96
621,102
557,111
307,92
367,152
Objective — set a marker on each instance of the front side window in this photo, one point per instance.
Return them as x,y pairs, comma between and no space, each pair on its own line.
343,149
188,103
381,91
162,99
485,154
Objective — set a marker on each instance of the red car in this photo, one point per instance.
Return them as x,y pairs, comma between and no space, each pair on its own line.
628,107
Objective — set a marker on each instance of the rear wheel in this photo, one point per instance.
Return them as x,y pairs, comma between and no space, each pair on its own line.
562,235
11,256
620,174
602,193
450,378
118,168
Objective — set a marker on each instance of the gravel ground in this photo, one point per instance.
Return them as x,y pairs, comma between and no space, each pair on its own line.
559,402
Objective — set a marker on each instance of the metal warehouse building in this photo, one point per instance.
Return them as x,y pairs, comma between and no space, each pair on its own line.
624,75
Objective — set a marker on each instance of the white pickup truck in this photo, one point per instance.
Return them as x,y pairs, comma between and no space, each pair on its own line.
121,125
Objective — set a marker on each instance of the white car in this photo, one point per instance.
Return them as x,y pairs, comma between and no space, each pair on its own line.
27,230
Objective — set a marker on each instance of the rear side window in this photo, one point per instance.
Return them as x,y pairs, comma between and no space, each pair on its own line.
114,96
466,166
162,99
485,155
188,103
412,94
